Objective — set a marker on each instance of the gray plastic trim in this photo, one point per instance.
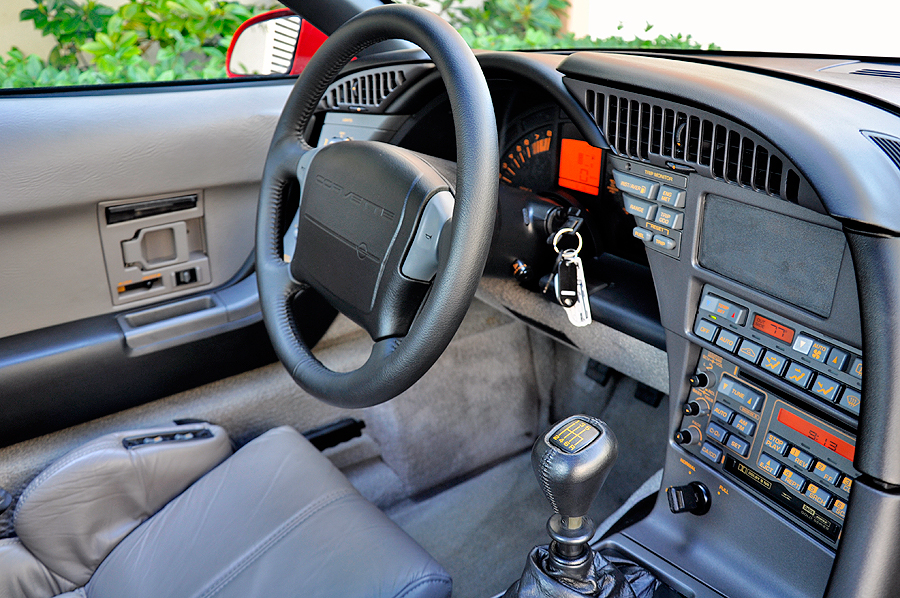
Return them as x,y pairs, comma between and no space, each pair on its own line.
421,261
191,319
815,129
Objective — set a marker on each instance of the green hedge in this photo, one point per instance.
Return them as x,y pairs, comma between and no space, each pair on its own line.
144,40
168,40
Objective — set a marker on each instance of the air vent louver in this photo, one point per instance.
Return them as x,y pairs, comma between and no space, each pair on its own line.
889,145
368,91
643,129
878,73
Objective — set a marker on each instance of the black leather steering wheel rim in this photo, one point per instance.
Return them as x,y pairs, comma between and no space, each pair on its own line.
398,362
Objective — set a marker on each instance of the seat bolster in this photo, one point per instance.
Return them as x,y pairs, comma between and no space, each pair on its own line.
77,510
276,519
23,576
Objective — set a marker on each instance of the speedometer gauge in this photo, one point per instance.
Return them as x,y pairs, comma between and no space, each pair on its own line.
529,163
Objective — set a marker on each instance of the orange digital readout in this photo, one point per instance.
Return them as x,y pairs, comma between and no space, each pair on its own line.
782,333
579,166
817,434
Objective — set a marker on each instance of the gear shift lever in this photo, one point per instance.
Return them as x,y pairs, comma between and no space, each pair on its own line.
571,462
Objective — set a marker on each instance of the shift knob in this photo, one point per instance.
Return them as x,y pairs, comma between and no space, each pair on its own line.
571,462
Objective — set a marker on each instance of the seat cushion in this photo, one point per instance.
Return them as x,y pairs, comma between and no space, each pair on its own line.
23,576
275,519
76,511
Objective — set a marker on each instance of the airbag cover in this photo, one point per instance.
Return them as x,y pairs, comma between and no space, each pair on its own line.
351,212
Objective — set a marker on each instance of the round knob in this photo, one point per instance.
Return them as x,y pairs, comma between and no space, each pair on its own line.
683,437
695,408
700,380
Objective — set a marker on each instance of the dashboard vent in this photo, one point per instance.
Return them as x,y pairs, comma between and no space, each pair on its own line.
652,130
889,145
368,91
877,73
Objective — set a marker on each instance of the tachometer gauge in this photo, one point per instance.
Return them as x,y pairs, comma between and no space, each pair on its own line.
529,163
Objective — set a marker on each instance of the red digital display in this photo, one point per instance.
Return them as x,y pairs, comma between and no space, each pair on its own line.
774,329
579,166
817,434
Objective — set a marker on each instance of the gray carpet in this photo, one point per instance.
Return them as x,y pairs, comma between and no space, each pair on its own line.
481,530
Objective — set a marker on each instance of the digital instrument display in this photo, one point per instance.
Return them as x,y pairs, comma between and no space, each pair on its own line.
773,329
579,166
817,434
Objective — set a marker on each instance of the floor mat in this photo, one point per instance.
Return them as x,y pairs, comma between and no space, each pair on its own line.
482,529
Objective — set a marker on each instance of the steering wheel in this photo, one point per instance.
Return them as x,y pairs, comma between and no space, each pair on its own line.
391,238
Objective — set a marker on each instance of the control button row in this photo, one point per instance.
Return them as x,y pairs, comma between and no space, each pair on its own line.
801,485
795,373
726,414
805,462
723,436
650,211
628,183
831,356
662,241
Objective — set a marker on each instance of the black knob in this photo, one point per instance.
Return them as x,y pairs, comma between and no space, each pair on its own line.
700,380
683,437
521,271
691,408
692,498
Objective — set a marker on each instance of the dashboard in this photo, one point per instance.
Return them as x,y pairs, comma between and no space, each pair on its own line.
727,213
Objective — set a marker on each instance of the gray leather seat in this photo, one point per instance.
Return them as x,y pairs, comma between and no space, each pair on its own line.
274,519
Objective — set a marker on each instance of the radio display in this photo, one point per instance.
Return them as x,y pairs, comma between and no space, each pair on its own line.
773,329
579,166
817,434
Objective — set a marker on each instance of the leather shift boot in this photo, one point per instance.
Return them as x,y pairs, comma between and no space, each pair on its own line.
608,577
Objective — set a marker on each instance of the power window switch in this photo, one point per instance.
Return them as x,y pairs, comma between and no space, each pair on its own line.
183,277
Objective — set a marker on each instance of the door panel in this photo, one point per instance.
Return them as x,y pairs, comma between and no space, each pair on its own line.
64,154
64,353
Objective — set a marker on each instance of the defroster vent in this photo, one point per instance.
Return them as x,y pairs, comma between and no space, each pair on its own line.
889,145
369,91
659,131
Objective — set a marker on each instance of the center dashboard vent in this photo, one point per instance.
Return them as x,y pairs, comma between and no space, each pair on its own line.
891,74
658,131
370,90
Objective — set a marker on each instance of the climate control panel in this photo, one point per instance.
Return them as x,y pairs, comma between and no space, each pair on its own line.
799,464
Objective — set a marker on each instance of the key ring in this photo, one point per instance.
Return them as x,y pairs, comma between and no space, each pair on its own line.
559,235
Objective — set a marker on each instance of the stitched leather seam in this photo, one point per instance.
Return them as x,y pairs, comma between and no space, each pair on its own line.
545,481
417,583
59,466
273,538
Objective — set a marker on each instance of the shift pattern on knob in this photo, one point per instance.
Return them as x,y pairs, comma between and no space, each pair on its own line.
574,436
572,461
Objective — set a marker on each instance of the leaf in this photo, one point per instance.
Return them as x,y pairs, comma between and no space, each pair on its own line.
33,67
29,13
95,48
105,40
176,7
195,8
